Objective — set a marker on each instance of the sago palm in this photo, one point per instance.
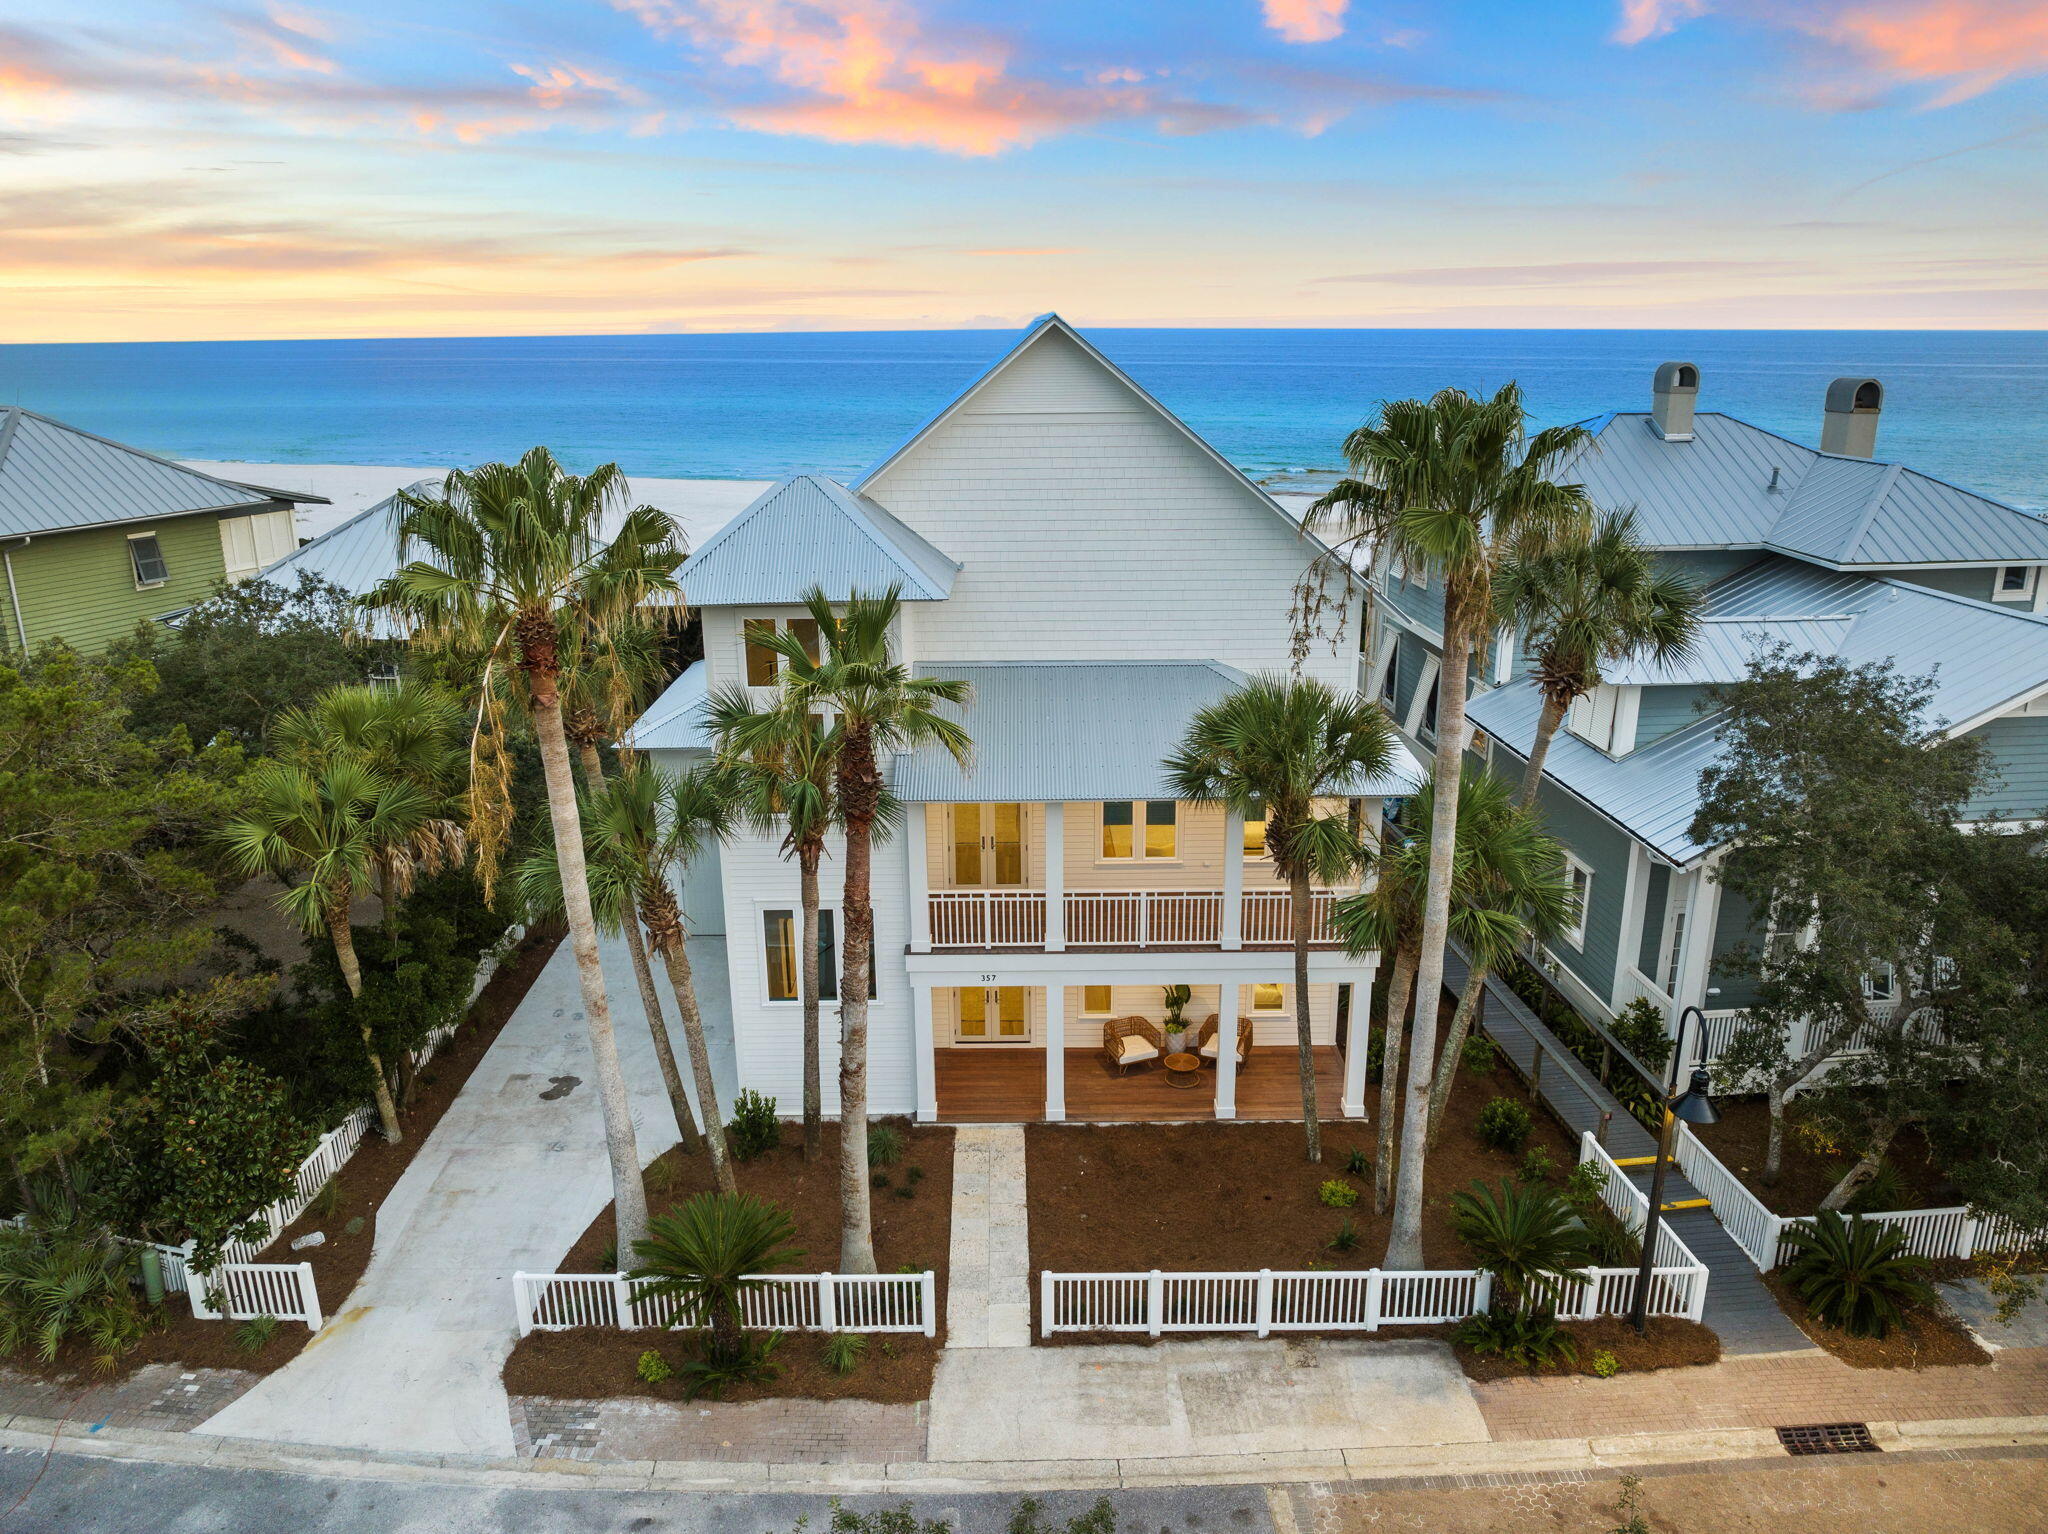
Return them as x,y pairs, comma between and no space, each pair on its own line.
1527,1238
882,708
505,547
706,1256
326,828
1592,597
1288,746
785,765
1855,1274
1449,484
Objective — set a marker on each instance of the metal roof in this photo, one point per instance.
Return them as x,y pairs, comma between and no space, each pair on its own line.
1723,647
55,478
810,531
1984,658
1716,492
357,554
675,720
1048,731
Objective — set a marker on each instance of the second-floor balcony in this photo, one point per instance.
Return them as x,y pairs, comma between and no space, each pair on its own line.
1120,919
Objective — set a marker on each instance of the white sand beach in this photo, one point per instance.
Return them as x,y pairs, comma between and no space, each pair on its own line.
702,506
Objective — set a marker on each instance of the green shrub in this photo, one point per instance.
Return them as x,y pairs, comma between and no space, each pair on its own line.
908,1267
844,1350
67,1283
1854,1275
1640,1028
1479,1054
1346,1238
1537,1165
1355,1164
885,1145
878,1180
1527,1238
1584,1185
1605,1364
1528,1339
754,1130
913,1174
1504,1124
1337,1193
1885,1191
653,1368
906,1189
1611,1243
254,1335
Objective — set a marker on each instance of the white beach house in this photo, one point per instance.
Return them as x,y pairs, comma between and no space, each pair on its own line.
1099,573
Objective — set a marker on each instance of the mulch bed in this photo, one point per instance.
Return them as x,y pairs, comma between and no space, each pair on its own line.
915,1231
1930,1338
1108,1198
361,1186
1669,1343
1806,1177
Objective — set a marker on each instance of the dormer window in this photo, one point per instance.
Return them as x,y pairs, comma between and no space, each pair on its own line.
2016,583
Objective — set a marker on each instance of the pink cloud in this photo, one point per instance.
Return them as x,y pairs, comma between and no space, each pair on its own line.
1306,21
1645,19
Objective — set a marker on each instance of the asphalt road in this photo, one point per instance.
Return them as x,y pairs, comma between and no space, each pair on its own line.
78,1495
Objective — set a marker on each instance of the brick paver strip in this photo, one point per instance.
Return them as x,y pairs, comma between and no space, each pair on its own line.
1783,1391
163,1397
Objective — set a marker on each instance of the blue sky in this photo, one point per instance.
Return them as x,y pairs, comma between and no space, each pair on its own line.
574,166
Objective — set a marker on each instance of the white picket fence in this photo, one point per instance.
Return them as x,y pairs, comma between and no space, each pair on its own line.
242,1291
1678,1281
784,1302
1931,1233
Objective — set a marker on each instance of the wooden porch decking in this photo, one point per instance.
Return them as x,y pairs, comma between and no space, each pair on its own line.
1007,1086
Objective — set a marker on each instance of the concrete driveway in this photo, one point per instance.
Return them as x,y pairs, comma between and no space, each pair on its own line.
511,1176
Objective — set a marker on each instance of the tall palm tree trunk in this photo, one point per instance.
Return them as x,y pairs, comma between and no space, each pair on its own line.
1303,908
352,976
1400,986
665,929
859,797
1404,1244
643,979
1546,731
1454,1046
629,1194
807,857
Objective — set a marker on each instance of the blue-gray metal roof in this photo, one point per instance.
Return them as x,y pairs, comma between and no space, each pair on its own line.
812,531
1722,649
55,478
1984,658
1717,492
675,720
1048,731
355,555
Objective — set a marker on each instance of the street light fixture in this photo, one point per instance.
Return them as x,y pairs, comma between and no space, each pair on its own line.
1693,1107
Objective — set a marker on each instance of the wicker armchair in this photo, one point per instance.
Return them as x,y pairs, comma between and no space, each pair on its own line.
1129,1041
1206,1045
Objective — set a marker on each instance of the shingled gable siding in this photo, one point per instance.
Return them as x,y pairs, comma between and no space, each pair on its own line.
80,587
1594,842
2019,758
1089,528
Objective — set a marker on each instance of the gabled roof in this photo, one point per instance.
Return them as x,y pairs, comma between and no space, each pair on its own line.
1029,720
1722,649
1037,330
1737,486
1985,658
675,720
812,531
55,478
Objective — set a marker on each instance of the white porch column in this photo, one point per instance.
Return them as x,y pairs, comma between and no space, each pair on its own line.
1055,1052
922,1063
1233,883
1358,1043
1055,883
1696,951
1226,1045
919,881
1635,899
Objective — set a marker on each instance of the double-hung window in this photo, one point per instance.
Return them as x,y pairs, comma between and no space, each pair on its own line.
1137,829
1580,903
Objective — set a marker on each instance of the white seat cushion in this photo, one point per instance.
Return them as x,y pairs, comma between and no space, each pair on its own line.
1209,1051
1134,1046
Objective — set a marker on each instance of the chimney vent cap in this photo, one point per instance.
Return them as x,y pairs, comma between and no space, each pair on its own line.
1855,396
1677,378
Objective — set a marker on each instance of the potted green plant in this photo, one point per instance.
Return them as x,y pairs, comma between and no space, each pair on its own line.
1177,998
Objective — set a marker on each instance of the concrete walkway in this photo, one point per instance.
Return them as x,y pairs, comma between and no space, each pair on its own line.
1741,1310
988,1270
511,1176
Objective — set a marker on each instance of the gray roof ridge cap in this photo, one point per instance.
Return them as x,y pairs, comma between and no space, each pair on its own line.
861,508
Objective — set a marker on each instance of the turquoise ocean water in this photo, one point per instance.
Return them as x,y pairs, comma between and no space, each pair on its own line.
1970,407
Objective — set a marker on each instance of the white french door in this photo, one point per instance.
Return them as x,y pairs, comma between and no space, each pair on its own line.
993,1014
988,846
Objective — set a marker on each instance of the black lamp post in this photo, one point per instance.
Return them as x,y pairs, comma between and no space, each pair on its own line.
1695,1107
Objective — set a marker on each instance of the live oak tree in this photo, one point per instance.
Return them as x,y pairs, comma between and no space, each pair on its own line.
1838,797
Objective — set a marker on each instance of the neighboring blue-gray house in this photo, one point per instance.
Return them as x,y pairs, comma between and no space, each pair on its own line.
1829,551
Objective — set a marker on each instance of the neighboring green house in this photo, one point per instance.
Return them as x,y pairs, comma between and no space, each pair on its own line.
96,536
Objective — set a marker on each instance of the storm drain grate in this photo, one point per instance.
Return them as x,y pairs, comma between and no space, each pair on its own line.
1827,1438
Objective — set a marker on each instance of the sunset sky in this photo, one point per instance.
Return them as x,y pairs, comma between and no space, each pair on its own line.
227,170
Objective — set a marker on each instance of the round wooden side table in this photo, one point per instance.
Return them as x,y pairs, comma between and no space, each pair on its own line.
1184,1071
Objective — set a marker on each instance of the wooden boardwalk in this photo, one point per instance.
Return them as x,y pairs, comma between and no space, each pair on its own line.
1740,1309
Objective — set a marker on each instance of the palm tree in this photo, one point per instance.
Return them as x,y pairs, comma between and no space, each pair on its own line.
1284,744
881,709
328,825
1527,1238
1450,484
785,764
706,1255
507,545
1593,596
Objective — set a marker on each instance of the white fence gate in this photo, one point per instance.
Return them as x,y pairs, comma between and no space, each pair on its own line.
242,1291
786,1302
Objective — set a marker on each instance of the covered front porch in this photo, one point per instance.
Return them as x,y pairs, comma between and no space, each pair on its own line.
1008,1086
